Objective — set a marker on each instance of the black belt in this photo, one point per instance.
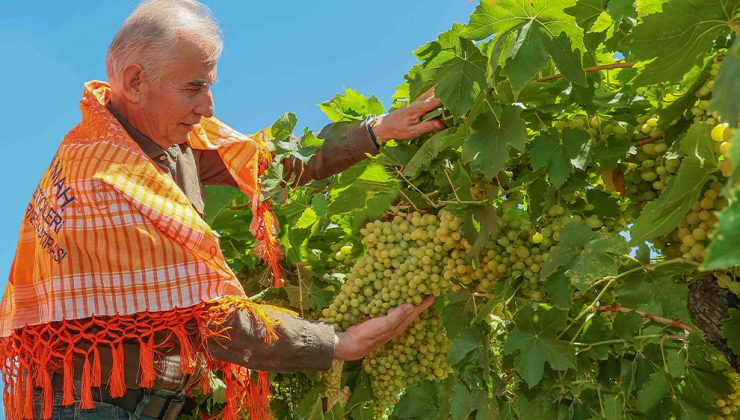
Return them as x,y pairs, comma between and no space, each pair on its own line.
159,407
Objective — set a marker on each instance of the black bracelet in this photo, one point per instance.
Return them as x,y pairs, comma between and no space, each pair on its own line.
369,124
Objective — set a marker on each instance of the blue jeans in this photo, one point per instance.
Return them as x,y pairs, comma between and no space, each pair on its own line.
102,411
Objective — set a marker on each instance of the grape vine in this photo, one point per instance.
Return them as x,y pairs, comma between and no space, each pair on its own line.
576,220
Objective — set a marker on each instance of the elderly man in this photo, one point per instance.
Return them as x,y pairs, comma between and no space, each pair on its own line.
119,297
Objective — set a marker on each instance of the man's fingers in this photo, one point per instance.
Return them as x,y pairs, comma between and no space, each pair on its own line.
399,314
424,305
426,126
426,95
422,107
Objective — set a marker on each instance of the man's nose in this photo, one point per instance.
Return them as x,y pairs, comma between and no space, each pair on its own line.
205,107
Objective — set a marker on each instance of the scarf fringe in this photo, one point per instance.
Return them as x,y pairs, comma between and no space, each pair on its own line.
30,353
265,226
268,248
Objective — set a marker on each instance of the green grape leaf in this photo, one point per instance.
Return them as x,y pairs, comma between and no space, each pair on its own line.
586,12
456,66
505,15
311,401
727,86
647,7
218,389
724,249
284,126
585,255
463,78
466,401
360,183
614,406
595,330
559,290
676,363
661,216
697,144
535,196
419,402
620,10
535,404
577,147
488,219
730,330
469,340
626,325
528,56
362,412
560,156
307,219
605,204
656,292
567,59
487,148
351,106
307,295
676,39
433,56
674,110
547,152
535,338
219,197
361,388
458,313
450,138
653,392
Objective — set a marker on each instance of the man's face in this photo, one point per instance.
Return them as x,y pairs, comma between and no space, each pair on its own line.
170,107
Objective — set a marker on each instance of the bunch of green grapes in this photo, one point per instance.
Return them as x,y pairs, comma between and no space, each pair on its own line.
648,172
722,136
690,239
458,264
520,248
729,406
594,126
343,253
417,355
403,264
700,111
288,389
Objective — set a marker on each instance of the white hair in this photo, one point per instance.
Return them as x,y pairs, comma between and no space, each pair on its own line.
152,30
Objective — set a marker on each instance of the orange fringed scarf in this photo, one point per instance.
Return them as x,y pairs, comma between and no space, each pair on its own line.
110,249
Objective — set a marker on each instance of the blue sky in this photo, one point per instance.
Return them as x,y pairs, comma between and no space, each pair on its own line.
280,56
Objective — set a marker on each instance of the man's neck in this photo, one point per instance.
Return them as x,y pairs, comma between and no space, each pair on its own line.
122,112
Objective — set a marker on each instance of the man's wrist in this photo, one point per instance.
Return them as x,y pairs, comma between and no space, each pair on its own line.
339,346
376,129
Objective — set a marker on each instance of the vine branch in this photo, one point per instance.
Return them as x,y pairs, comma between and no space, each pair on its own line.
668,321
431,203
592,69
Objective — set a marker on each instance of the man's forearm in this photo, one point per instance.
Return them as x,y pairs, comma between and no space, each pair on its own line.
345,143
301,344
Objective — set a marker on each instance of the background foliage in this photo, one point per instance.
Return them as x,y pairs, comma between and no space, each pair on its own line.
587,171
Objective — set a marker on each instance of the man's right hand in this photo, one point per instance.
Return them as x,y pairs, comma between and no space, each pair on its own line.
405,123
363,338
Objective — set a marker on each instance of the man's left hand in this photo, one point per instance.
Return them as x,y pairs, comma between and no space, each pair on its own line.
365,337
405,123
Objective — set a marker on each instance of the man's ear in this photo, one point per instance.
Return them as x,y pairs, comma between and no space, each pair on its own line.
133,88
